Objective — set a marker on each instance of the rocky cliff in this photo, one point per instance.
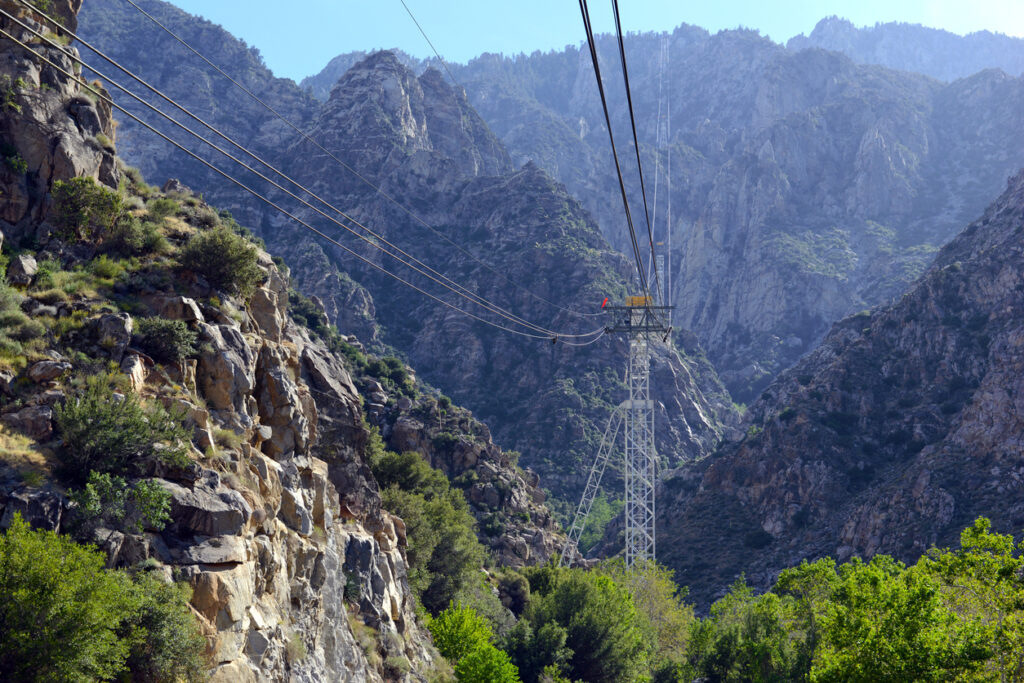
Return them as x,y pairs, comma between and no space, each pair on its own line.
520,239
912,47
295,570
897,432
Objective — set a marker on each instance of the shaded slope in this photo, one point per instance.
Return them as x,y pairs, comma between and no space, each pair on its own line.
897,432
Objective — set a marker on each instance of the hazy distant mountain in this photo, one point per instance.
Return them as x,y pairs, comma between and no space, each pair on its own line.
912,47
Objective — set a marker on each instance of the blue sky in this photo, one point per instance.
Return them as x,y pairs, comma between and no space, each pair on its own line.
299,40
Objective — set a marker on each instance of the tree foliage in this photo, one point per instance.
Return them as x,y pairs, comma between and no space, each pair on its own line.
64,617
464,639
665,618
61,610
885,622
443,552
111,502
603,630
747,638
983,583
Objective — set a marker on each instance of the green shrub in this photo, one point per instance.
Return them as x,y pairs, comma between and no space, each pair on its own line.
105,142
126,237
13,160
109,501
116,434
162,208
43,5
27,331
224,258
463,638
486,665
15,326
457,631
9,91
85,210
105,267
168,341
131,237
132,177
167,644
393,375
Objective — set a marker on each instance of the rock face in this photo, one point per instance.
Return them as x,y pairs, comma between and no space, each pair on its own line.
502,231
896,433
45,99
804,187
275,553
912,47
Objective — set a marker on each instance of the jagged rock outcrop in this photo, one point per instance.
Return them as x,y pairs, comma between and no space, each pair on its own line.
912,47
892,436
58,130
280,562
291,578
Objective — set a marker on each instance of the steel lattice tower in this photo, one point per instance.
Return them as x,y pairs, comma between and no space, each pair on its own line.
640,466
638,320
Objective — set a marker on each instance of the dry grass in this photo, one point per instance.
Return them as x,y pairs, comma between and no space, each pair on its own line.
35,464
366,637
177,228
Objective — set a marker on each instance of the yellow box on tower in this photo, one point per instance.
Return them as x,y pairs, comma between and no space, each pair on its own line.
638,301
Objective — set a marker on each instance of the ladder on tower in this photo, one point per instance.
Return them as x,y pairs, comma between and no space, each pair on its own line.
571,550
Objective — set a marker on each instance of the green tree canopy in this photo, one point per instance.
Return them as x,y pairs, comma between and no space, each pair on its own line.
464,638
63,617
603,630
885,622
60,611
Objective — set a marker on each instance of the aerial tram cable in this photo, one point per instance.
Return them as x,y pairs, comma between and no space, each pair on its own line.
426,38
636,141
585,11
271,203
471,296
344,165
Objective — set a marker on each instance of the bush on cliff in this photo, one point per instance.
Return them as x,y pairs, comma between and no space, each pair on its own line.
168,341
116,433
85,210
227,260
